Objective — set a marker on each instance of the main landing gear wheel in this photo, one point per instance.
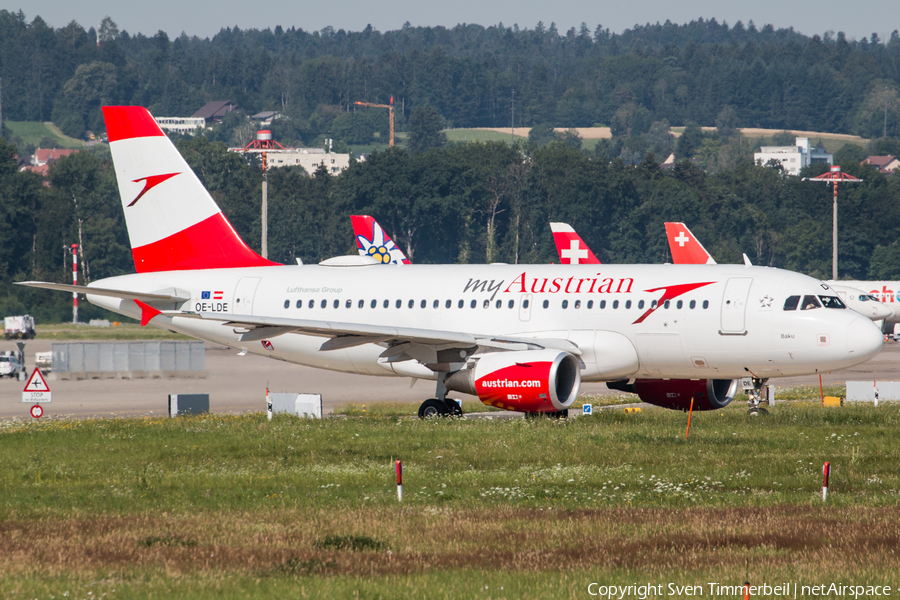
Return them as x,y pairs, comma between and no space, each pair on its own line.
433,408
454,410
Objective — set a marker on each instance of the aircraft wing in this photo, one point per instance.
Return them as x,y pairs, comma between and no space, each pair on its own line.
169,295
403,343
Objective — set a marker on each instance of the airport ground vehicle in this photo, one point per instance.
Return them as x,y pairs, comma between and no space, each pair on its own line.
11,364
18,327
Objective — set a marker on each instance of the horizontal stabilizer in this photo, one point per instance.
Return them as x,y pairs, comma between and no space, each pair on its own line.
173,295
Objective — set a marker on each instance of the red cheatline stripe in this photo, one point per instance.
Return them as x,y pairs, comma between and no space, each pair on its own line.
209,244
126,122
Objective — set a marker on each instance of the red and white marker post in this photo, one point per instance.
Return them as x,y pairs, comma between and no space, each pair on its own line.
826,472
399,481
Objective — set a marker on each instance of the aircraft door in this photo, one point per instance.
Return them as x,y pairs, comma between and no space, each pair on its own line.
734,306
243,295
525,301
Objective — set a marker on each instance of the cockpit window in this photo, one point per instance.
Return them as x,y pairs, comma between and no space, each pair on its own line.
831,302
809,303
791,303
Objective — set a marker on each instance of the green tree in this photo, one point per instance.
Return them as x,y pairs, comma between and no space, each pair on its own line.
426,129
542,134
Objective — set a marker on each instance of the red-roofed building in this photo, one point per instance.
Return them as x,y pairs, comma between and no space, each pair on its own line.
885,164
43,156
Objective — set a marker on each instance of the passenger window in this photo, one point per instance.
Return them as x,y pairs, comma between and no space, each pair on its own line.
447,304
603,304
667,304
693,304
525,303
349,304
565,304
653,304
706,304
615,304
512,303
312,304
287,303
299,303
361,303
487,303
791,303
590,304
337,303
386,303
679,304
324,303
810,303
628,304
374,303
474,303
499,303
461,303
423,304
546,303
436,303
640,304
578,304
831,302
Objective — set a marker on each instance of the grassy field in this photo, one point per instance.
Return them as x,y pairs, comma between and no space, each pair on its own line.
123,331
240,507
31,132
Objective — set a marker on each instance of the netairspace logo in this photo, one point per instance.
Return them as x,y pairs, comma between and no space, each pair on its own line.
721,590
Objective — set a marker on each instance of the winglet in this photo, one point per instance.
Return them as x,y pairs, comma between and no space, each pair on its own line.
571,248
147,312
686,249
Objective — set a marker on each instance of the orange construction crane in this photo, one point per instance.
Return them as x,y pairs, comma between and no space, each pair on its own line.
390,108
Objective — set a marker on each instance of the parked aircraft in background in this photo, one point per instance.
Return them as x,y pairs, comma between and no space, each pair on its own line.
371,240
571,248
686,249
886,292
519,337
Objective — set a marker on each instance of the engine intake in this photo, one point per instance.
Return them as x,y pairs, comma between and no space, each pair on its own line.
708,394
528,381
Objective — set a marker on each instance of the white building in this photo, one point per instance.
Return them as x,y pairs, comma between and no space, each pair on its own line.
793,158
309,159
181,124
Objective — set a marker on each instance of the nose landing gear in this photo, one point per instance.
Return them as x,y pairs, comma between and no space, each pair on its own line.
757,398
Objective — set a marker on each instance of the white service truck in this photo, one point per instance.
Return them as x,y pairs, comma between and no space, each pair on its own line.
21,326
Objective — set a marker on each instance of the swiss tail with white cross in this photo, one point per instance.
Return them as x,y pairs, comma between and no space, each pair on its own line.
571,248
686,249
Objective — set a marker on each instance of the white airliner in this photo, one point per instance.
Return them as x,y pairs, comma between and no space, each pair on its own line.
886,292
519,337
687,250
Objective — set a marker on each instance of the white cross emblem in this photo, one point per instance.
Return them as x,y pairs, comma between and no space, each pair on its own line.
681,239
573,252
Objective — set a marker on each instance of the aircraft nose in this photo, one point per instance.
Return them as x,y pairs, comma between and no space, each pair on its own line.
864,339
881,311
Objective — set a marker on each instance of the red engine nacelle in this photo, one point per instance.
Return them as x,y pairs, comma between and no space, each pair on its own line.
708,394
528,381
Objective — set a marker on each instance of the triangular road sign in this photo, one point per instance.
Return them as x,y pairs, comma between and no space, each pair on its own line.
36,383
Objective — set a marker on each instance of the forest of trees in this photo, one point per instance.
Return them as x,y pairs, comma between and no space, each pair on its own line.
469,73
466,203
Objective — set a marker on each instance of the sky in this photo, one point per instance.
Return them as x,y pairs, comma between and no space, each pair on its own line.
205,19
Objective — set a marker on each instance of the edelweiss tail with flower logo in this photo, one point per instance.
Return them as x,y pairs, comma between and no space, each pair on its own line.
371,240
173,223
